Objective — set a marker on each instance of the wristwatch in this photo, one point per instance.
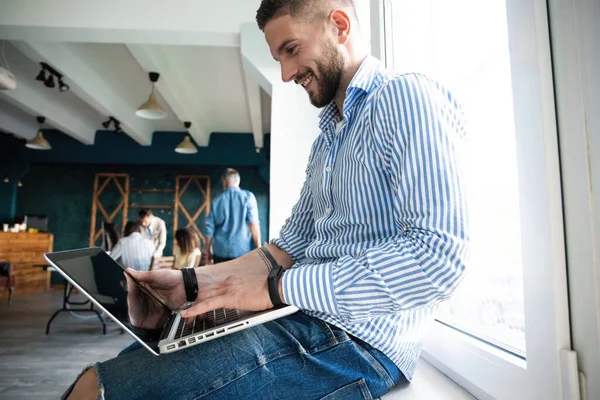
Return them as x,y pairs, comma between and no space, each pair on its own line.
273,283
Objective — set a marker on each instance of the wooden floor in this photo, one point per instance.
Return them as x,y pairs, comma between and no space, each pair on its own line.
36,366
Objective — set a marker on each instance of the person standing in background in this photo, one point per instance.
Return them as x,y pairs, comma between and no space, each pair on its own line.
134,250
232,227
187,254
155,229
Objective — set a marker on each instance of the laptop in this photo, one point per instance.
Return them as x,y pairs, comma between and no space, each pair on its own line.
142,312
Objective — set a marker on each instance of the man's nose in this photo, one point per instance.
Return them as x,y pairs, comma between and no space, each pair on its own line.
288,71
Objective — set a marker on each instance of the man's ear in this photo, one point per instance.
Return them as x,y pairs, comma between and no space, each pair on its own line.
343,24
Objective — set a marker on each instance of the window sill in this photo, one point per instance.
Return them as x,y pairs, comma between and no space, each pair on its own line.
428,384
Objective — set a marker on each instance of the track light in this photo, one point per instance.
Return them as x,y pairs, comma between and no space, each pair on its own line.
41,76
47,75
49,82
186,147
115,123
19,183
63,87
6,180
38,142
151,109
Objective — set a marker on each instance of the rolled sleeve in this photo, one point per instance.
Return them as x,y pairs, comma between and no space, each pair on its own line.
251,210
310,287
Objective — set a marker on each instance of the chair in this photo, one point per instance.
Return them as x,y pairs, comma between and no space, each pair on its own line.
7,279
163,262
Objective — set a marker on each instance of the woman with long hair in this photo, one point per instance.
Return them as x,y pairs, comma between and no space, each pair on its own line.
187,254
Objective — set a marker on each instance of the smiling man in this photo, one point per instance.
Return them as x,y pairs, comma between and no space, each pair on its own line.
377,238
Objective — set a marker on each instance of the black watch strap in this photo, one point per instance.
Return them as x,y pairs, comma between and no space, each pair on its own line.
190,283
273,283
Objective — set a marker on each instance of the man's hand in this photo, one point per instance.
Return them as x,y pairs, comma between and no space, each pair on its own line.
248,292
168,284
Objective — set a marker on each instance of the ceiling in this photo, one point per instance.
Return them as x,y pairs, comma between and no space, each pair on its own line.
105,54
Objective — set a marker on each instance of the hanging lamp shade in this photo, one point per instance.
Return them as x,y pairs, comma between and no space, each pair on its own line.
151,109
186,146
38,142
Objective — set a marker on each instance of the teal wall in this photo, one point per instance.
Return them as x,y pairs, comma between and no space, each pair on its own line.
64,194
59,182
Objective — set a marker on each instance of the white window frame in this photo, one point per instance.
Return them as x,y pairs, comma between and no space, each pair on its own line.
485,371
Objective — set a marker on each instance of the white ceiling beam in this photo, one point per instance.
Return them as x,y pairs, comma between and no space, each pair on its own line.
254,107
38,101
172,89
185,22
90,86
256,58
16,121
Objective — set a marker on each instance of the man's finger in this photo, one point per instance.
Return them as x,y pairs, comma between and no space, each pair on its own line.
205,306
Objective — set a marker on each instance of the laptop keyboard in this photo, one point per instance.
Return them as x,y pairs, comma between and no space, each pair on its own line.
212,319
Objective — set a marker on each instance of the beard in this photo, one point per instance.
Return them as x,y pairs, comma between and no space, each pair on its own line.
330,68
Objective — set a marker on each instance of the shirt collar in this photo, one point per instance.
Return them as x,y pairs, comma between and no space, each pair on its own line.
361,83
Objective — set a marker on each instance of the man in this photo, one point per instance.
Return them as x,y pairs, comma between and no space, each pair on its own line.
134,250
232,227
155,229
376,240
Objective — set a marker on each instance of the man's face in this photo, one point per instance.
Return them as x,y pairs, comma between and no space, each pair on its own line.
146,221
308,56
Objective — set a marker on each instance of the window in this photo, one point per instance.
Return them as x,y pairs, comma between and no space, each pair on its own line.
476,68
501,333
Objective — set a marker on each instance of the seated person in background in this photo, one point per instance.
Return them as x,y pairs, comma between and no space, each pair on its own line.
134,249
155,229
187,254
110,236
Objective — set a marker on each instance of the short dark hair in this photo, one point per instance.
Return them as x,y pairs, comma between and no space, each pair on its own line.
144,212
304,10
132,227
187,240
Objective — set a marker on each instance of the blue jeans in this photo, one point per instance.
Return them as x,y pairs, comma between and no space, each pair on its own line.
295,357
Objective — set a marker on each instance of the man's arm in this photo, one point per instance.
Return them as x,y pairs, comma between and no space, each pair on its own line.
252,220
208,251
416,130
162,238
255,232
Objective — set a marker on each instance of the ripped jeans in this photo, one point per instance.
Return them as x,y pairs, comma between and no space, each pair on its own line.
295,357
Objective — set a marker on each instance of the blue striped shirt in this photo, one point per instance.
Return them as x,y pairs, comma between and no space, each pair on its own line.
379,234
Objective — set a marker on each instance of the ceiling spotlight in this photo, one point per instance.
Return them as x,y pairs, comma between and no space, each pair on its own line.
49,82
151,109
41,76
63,87
47,75
38,142
19,183
6,180
186,147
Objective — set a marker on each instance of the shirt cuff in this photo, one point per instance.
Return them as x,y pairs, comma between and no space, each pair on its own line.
310,287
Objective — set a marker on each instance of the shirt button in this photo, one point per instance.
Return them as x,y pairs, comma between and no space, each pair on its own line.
328,169
327,210
317,242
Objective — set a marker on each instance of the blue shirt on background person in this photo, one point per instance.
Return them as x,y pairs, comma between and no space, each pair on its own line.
232,227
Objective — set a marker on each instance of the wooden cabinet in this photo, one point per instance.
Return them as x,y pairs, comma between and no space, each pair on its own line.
24,250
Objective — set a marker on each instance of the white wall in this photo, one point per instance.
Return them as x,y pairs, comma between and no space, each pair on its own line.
294,127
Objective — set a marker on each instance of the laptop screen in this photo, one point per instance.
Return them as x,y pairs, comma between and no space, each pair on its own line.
104,280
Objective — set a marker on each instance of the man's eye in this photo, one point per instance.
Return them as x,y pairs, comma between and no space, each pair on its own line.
291,49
